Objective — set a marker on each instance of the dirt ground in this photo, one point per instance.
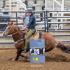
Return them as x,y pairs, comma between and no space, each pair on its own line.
55,60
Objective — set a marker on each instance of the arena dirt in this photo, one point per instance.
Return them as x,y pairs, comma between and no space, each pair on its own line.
55,60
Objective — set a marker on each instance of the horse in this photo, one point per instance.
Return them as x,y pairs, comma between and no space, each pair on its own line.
17,35
19,39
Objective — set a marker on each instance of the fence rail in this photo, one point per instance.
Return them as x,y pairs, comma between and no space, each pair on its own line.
49,21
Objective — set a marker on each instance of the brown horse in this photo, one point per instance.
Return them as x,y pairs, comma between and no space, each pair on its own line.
18,37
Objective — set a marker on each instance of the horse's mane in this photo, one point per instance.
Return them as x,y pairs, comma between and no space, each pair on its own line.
14,25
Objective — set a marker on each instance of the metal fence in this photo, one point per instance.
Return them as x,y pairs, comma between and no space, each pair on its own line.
48,21
45,20
58,20
18,18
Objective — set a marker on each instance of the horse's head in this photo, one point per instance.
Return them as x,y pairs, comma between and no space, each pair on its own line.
10,29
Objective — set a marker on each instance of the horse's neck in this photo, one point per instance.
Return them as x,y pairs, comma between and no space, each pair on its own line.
18,36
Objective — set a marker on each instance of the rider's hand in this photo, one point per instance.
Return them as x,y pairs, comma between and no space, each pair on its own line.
26,29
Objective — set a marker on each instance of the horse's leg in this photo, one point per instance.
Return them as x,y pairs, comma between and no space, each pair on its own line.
18,54
63,47
49,49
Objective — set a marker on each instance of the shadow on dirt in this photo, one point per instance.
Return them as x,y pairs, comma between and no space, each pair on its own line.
57,58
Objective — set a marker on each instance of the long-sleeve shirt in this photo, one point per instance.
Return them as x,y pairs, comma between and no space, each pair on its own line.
32,22
26,20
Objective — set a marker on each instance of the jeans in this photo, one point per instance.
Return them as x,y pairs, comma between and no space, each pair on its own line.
27,38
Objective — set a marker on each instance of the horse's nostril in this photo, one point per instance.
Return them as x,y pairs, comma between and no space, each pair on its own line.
4,35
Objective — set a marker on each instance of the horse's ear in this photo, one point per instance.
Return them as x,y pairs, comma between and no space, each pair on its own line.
11,23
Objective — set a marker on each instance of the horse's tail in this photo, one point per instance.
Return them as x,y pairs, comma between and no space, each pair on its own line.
49,49
64,48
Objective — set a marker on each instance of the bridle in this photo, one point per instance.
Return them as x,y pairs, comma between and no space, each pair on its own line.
14,33
19,39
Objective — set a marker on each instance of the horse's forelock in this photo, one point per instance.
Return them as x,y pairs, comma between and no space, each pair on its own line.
11,22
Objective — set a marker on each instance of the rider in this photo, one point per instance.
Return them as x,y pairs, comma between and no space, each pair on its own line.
30,23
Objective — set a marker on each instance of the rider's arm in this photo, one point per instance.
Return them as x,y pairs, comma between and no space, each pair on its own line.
31,21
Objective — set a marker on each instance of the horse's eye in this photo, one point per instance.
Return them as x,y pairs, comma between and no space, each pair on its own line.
9,28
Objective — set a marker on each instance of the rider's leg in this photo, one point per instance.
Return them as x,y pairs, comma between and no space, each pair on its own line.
27,37
29,34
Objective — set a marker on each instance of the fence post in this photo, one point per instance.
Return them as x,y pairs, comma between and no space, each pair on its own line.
16,18
46,20
46,16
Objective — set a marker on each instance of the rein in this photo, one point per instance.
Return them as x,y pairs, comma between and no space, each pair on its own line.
14,33
19,39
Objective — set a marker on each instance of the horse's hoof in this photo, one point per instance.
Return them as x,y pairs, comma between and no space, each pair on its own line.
12,59
26,60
